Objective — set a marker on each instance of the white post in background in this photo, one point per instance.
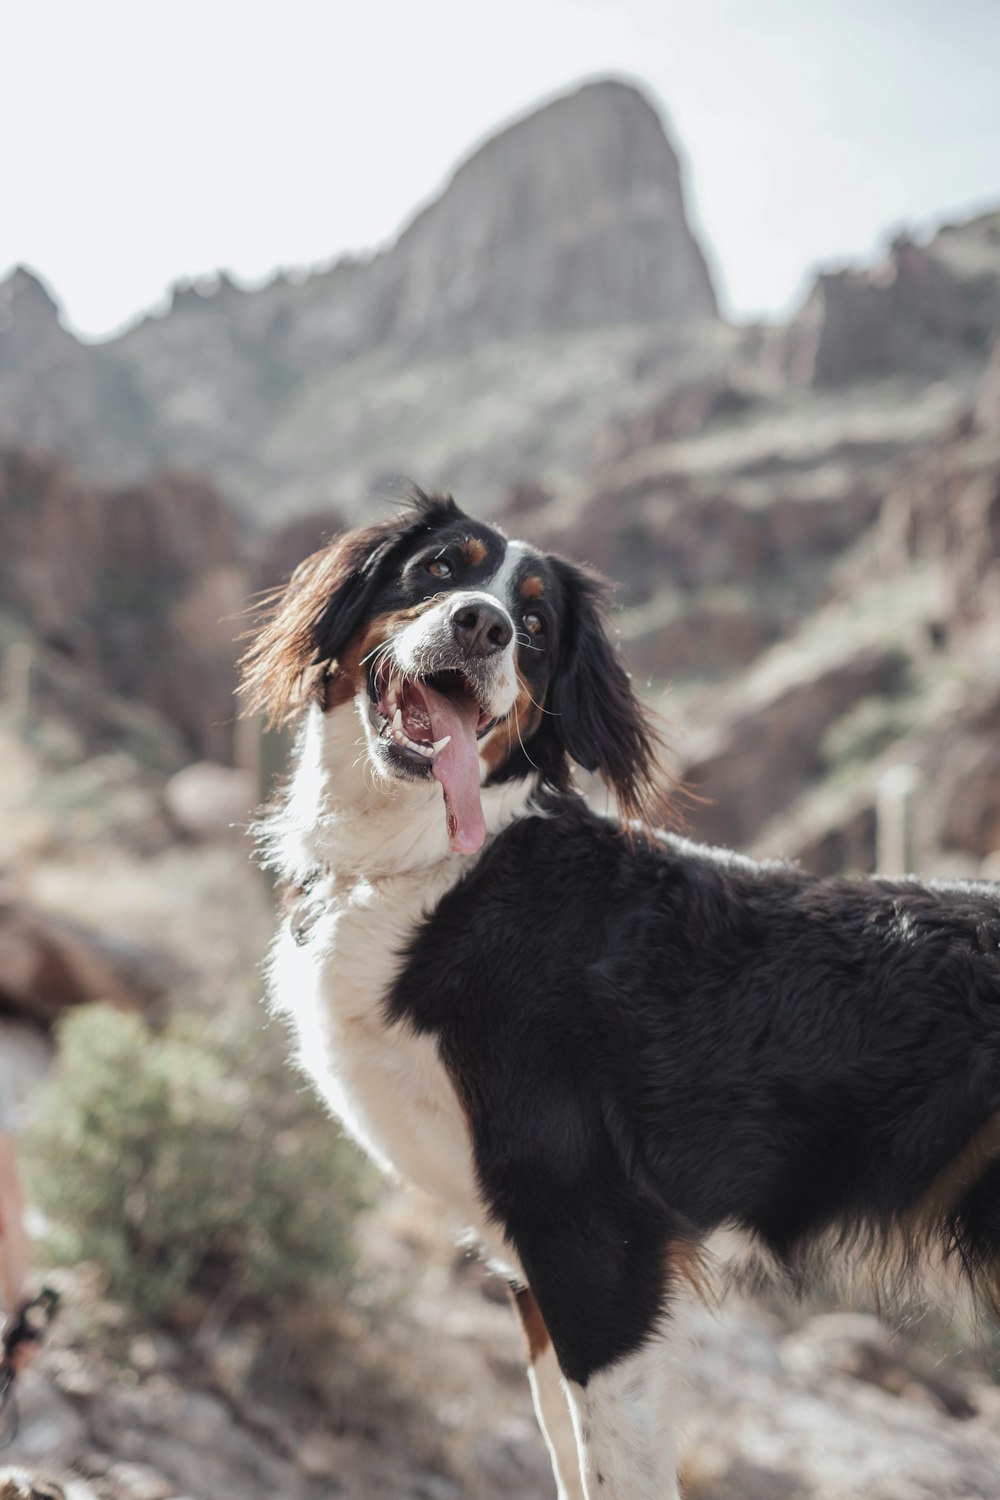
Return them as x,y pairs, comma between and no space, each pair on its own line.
248,732
16,681
897,848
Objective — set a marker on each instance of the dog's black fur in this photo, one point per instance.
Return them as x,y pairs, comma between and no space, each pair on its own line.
682,1040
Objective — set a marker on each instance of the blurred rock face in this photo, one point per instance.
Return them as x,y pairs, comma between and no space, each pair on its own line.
135,588
915,311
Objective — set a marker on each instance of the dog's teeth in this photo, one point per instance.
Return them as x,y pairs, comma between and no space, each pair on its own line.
440,744
403,739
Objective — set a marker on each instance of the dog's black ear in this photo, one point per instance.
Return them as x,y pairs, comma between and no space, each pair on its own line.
304,626
596,716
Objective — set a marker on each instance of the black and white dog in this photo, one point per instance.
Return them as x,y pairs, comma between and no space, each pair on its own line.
638,1068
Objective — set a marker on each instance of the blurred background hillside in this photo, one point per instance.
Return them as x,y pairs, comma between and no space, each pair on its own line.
802,512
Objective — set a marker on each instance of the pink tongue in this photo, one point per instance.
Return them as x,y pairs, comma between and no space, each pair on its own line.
457,765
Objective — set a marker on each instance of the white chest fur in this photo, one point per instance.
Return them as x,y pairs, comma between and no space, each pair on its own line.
386,1083
384,864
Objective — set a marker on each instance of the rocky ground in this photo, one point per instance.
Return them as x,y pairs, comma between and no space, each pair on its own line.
413,1384
420,1391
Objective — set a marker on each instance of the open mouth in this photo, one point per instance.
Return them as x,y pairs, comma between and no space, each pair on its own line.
417,713
434,723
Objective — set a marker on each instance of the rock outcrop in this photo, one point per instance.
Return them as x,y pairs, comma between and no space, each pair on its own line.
920,310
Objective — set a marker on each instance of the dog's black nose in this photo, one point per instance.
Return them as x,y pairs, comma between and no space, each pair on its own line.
481,629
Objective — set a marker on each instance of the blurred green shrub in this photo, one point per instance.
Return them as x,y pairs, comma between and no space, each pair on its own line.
190,1161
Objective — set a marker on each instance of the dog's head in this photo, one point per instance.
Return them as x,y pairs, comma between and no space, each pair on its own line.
471,659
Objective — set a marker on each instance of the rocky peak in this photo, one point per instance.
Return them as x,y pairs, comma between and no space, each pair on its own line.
47,379
24,296
570,218
30,330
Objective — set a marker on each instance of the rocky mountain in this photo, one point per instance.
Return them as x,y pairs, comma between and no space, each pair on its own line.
552,282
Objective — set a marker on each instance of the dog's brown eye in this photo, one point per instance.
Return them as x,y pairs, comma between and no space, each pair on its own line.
438,568
534,623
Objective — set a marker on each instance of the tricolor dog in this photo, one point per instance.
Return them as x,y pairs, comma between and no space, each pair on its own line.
641,1070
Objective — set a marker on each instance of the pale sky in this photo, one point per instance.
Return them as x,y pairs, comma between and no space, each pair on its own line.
144,142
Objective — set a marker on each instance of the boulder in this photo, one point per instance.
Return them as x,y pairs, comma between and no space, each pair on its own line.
206,800
48,964
763,756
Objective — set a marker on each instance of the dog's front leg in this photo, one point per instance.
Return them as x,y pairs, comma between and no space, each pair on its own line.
551,1402
610,1305
624,1418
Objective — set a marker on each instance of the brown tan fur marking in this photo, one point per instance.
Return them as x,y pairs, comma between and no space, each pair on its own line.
533,587
957,1179
687,1261
523,719
535,1332
914,1250
473,550
348,675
